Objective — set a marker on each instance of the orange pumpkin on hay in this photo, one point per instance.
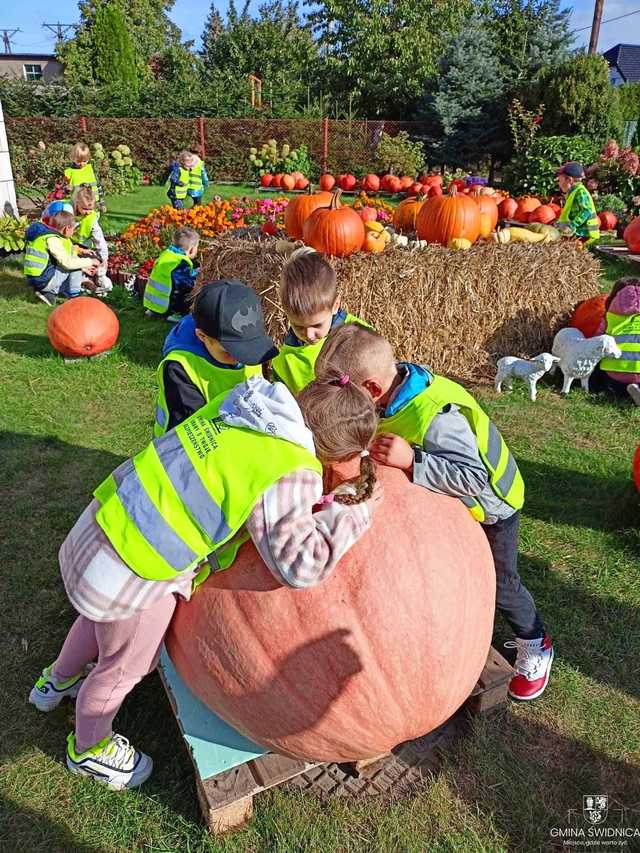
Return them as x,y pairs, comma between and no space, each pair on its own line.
448,217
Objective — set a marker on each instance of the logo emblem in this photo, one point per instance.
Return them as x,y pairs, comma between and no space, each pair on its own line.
595,807
241,320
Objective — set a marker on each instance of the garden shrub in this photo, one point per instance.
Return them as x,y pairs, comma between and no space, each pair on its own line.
534,169
398,155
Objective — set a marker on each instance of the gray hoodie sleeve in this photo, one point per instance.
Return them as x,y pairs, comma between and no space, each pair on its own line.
450,463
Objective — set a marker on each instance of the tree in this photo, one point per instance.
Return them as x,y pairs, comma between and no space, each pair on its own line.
381,52
578,98
114,58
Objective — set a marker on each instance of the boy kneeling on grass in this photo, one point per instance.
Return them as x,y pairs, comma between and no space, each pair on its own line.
434,430
221,343
167,292
52,265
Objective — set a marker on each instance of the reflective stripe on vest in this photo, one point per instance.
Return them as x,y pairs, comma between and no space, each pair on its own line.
592,224
208,378
195,177
180,189
413,420
295,366
187,493
157,291
83,176
82,235
626,331
36,254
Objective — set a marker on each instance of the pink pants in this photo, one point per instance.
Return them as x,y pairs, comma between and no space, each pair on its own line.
126,651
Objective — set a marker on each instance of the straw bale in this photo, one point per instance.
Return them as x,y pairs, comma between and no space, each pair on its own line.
457,312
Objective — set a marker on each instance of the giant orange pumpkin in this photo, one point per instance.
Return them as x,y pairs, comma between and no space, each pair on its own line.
631,235
300,209
334,230
487,205
385,650
588,315
404,216
82,326
448,217
636,469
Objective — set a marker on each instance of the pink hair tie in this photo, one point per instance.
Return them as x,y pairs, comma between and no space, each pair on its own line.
344,379
326,499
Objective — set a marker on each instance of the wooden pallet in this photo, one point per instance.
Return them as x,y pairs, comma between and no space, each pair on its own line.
230,770
618,252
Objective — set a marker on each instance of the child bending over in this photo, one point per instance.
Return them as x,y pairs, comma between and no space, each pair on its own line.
171,280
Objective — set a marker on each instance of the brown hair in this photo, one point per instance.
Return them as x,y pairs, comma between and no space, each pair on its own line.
621,283
343,420
80,151
62,219
83,197
183,156
308,284
185,238
355,350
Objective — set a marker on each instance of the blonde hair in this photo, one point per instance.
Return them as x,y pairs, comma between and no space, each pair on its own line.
83,197
354,350
80,151
343,420
183,156
308,284
185,238
62,219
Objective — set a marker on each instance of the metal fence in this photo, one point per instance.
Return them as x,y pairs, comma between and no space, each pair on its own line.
334,145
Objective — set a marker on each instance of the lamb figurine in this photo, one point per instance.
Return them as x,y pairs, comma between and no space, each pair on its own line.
577,356
529,369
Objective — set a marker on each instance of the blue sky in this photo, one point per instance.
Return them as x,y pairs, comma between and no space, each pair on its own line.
189,15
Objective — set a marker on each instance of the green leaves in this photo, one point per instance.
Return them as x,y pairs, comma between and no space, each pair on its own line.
12,233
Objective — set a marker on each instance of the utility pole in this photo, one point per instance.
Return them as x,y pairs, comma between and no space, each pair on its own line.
6,38
60,30
595,26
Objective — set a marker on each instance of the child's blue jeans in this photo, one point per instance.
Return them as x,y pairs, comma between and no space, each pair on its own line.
64,283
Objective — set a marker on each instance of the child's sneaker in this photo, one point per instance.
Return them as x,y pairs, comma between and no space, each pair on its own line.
174,318
633,390
48,298
112,762
532,666
47,694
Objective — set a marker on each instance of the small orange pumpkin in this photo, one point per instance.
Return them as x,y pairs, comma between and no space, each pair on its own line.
288,182
300,209
507,208
589,314
447,217
334,230
631,235
544,213
404,216
526,205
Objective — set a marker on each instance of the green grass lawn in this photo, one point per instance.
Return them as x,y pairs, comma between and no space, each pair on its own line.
515,778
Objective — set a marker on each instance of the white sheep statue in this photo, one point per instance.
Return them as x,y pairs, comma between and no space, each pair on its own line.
577,356
530,369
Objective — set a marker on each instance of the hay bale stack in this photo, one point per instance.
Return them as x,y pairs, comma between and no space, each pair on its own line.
455,311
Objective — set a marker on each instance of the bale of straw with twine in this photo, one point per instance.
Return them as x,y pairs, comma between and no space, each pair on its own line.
457,312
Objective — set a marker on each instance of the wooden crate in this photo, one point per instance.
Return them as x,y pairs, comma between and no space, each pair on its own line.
230,769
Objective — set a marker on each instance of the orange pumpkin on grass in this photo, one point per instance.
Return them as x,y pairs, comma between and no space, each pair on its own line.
334,229
447,217
82,326
323,673
300,209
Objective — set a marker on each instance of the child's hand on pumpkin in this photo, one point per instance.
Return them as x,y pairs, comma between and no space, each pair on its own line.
392,450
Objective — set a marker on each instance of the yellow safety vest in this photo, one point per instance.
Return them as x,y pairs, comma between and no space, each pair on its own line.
626,331
295,366
157,291
187,493
208,378
180,189
592,224
36,254
82,235
85,175
195,179
412,422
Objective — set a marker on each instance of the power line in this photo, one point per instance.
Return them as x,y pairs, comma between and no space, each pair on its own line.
610,20
6,38
60,30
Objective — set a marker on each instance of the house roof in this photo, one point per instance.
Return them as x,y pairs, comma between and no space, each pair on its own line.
49,56
626,57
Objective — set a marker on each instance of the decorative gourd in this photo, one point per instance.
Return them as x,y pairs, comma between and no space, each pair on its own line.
556,208
375,242
348,182
487,206
459,243
588,315
503,235
266,180
507,208
544,214
300,209
523,235
371,183
526,205
636,469
404,216
288,182
322,673
608,220
631,235
446,217
82,326
327,182
368,214
334,230
540,228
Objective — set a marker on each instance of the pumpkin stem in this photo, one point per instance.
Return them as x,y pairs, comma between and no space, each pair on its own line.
335,199
453,190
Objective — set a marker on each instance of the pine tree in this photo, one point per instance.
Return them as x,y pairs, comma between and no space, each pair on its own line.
114,57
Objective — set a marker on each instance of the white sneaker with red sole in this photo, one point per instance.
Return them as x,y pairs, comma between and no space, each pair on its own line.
532,666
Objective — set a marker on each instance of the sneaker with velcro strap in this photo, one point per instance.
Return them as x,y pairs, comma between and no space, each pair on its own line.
112,762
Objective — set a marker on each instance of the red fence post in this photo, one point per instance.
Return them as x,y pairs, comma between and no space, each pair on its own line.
325,143
83,124
203,149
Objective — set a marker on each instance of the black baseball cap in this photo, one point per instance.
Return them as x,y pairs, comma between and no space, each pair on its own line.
571,169
230,311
